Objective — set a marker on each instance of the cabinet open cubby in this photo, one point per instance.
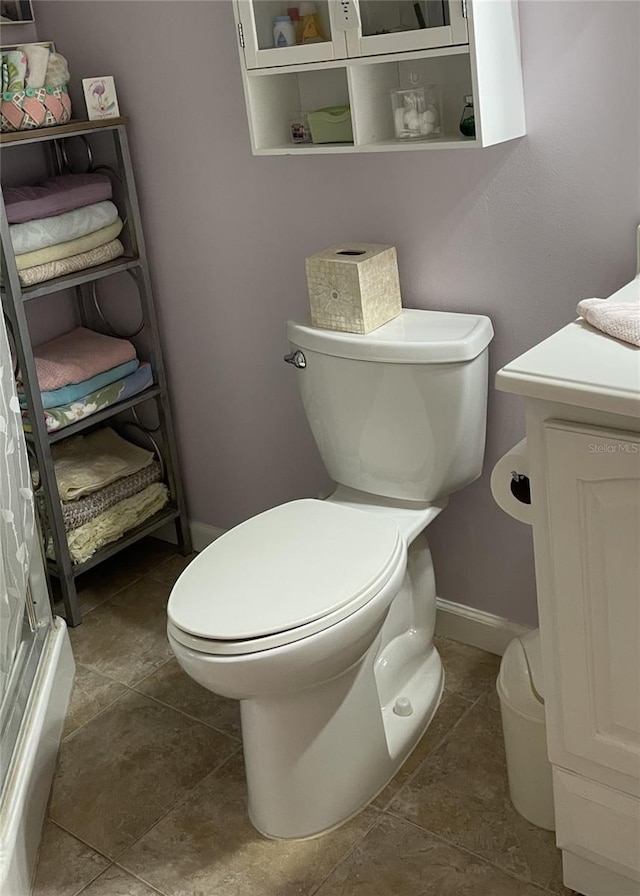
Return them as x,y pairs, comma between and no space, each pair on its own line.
370,88
276,98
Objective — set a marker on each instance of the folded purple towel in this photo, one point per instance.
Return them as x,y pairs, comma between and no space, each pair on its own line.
55,196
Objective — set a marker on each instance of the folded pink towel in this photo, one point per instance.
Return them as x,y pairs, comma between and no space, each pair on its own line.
77,356
618,319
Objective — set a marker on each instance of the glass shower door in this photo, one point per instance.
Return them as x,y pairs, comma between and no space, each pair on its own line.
24,620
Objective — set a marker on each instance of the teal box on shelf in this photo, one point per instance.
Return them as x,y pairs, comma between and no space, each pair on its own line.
331,125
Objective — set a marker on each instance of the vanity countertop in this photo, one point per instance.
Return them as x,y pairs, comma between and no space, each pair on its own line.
582,366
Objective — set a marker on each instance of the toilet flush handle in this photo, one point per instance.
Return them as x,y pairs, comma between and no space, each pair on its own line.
297,359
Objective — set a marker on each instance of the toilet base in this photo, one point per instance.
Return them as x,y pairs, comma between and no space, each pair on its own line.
317,757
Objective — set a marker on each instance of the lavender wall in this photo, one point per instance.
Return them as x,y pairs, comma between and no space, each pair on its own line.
520,232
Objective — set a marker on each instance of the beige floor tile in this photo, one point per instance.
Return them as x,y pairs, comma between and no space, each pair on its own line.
208,847
169,571
468,671
449,712
116,882
64,864
125,638
397,859
172,686
462,794
91,694
128,766
124,568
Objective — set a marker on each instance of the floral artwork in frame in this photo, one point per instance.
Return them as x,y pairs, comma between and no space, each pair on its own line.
100,97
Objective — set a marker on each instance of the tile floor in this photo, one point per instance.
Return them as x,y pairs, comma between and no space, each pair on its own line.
149,794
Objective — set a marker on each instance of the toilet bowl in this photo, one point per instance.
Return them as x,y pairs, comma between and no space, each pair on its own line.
319,616
305,674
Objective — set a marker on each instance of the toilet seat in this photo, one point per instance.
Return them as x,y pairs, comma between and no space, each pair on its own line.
283,575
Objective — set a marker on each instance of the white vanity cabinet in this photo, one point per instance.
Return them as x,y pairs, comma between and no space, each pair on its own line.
466,47
582,402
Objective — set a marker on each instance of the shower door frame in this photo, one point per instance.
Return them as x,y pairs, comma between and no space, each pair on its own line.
37,624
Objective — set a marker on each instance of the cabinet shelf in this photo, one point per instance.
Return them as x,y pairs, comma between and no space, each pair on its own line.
447,141
111,153
69,281
74,128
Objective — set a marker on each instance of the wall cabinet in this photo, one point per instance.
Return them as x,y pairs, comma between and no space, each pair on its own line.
372,47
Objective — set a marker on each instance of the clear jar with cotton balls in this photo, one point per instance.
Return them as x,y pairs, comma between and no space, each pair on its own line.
417,112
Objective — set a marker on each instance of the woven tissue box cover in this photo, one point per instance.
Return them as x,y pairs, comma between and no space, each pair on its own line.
354,287
34,107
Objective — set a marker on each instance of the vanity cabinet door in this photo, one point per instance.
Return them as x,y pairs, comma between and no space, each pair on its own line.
593,495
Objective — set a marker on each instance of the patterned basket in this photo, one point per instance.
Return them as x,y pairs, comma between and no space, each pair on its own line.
34,107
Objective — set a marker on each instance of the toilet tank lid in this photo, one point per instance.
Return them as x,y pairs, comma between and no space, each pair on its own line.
414,337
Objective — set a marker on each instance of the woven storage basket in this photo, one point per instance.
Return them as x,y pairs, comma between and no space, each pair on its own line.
34,107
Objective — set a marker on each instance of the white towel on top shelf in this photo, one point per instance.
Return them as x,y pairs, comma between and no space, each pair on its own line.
618,319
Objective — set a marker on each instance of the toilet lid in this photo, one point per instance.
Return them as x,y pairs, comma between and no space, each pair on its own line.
283,569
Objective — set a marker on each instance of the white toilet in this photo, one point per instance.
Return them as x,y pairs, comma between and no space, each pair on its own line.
319,615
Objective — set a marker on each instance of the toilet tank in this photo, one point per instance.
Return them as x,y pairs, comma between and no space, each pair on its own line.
399,412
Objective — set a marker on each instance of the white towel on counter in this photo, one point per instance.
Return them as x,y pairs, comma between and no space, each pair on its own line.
618,319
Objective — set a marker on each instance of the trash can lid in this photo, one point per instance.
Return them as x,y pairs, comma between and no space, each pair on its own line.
533,650
520,682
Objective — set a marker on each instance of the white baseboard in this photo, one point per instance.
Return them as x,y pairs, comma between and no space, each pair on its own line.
475,627
201,534
455,621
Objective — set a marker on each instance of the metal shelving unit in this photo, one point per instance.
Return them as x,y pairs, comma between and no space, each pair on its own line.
160,433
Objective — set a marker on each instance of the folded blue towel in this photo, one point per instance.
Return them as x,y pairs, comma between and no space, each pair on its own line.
76,391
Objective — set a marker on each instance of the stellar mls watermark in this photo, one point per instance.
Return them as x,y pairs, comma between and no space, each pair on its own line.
614,447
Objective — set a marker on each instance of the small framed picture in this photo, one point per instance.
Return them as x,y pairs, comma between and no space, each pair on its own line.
100,97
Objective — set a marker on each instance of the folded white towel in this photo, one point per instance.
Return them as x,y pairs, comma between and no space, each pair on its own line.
618,319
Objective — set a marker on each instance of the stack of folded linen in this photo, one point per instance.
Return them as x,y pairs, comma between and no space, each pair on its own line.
107,487
65,224
81,373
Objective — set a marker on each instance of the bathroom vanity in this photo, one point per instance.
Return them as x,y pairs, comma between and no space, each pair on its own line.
581,392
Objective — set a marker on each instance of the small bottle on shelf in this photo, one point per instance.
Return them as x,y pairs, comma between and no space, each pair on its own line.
467,119
310,28
294,14
284,34
300,131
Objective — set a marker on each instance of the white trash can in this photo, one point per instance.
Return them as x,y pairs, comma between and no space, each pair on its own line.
521,694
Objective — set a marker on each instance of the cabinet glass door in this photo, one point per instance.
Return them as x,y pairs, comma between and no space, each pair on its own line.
396,26
317,40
